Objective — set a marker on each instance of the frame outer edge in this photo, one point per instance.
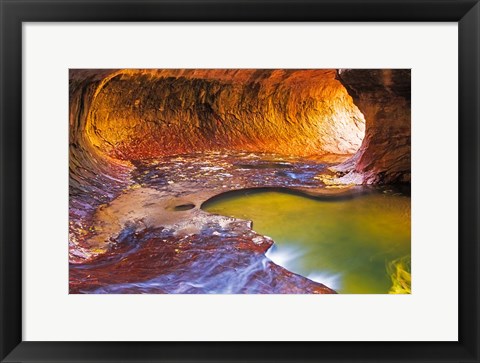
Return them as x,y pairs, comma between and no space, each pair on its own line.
469,181
11,173
11,186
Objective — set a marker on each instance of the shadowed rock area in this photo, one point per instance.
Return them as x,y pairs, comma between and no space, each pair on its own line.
383,96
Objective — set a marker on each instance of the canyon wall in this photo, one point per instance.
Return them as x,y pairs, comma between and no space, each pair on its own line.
138,114
117,116
383,96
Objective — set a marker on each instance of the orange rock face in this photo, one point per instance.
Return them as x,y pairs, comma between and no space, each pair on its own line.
137,114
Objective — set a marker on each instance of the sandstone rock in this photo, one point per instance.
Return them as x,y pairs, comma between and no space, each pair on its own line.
383,96
136,114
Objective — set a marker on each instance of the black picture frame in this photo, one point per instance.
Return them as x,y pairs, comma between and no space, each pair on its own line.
14,12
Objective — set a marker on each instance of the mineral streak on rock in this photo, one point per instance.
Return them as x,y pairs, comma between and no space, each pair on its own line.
383,96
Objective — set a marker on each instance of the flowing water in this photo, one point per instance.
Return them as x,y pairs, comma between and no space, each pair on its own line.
353,245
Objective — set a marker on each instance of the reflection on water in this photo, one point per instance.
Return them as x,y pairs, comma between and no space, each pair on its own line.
351,245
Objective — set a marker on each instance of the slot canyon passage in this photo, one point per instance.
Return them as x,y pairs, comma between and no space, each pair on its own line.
239,181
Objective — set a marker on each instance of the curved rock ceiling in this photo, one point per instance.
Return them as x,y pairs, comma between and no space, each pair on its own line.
137,114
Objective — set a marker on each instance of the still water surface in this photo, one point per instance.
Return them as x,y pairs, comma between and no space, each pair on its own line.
346,244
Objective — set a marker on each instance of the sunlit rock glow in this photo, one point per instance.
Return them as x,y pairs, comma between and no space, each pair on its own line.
136,114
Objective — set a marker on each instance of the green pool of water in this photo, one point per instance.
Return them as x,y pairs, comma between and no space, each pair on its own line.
349,245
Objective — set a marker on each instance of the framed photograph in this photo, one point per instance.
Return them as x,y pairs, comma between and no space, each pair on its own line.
239,181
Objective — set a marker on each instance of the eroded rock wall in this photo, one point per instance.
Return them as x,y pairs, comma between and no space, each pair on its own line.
383,96
94,178
137,114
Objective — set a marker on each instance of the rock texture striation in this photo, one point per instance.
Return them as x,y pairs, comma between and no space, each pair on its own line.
137,114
